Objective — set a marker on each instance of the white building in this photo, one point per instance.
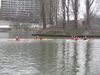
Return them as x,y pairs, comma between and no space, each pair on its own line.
5,25
20,10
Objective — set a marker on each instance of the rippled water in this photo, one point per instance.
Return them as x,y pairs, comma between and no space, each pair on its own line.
50,57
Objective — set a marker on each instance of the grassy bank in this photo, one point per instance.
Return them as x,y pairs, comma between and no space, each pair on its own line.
69,32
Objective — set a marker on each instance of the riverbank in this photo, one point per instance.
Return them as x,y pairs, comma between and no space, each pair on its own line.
59,31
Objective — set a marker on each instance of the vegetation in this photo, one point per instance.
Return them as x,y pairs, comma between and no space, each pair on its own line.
58,14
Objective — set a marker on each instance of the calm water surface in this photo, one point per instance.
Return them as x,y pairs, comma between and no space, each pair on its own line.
50,57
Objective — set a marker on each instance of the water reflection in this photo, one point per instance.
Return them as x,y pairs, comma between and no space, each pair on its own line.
50,57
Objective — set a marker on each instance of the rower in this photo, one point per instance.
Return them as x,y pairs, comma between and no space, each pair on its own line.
85,38
17,38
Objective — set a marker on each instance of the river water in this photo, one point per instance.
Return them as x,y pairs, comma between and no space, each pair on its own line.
50,57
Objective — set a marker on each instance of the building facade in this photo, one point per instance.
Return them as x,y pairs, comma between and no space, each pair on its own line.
20,10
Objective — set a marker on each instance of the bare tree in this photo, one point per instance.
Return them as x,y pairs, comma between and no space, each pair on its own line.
75,7
89,12
43,13
64,12
51,12
56,9
68,10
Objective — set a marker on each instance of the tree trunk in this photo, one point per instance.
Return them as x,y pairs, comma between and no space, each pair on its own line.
56,11
76,14
64,13
75,6
68,1
51,12
88,14
43,14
